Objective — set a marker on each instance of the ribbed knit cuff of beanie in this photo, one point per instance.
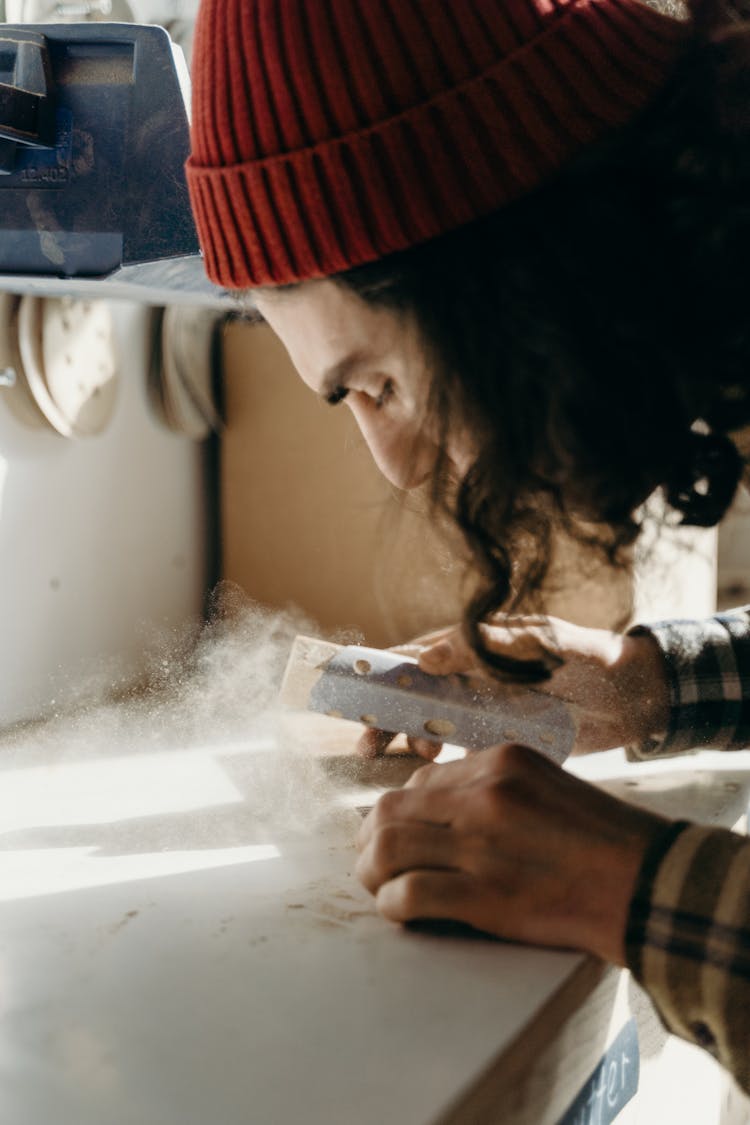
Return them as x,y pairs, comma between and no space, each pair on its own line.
330,133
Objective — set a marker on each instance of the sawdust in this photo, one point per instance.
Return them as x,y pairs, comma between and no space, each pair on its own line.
210,687
326,903
339,914
224,925
131,914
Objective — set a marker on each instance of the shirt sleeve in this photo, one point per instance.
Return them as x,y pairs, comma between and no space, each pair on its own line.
708,672
688,939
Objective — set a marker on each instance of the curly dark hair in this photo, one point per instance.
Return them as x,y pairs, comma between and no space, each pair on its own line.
594,336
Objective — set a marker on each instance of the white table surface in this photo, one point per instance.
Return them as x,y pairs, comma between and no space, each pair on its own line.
175,951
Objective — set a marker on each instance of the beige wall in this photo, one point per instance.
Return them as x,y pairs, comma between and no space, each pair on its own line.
308,520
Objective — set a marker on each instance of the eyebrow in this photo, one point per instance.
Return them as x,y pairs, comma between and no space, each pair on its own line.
334,387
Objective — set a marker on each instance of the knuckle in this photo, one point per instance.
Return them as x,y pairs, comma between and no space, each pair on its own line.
386,846
492,799
503,794
387,807
512,759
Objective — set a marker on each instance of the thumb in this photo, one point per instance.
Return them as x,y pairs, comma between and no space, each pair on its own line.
449,655
522,648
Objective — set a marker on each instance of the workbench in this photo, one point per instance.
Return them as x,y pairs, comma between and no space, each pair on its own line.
175,953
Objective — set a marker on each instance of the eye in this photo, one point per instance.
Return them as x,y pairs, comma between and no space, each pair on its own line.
385,395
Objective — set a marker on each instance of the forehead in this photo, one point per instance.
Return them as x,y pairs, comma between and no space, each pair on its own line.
321,323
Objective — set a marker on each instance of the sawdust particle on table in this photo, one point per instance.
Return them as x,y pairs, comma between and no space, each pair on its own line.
123,921
327,912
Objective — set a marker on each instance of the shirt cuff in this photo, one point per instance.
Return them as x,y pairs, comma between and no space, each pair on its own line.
688,939
706,664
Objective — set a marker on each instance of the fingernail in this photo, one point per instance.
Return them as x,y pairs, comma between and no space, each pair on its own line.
374,743
424,748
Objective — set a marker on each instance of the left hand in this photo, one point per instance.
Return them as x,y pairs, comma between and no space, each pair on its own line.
511,844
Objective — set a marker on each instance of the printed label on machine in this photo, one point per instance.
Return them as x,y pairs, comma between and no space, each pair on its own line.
612,1084
45,168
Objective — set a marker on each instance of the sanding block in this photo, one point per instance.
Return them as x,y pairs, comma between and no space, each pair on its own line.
389,691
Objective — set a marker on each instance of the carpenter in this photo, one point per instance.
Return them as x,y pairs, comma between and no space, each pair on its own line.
511,236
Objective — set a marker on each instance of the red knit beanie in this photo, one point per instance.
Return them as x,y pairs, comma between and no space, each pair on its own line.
329,133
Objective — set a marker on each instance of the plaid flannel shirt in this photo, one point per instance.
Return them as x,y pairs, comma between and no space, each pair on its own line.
708,670
688,937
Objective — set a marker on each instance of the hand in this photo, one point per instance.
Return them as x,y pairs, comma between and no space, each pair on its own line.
373,743
616,683
511,844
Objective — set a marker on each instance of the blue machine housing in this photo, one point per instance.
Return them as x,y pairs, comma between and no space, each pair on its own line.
94,134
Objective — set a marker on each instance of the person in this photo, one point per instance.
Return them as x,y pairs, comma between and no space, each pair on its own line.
511,236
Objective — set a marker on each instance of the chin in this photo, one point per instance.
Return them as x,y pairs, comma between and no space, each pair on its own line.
410,472
407,482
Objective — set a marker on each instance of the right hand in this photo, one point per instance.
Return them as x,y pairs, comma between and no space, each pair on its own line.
616,683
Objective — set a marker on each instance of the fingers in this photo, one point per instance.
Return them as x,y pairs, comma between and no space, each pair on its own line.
429,638
428,894
374,743
447,656
414,648
398,806
519,638
522,641
424,748
435,794
395,848
497,761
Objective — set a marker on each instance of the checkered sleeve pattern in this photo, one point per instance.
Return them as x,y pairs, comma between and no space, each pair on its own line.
708,670
688,939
